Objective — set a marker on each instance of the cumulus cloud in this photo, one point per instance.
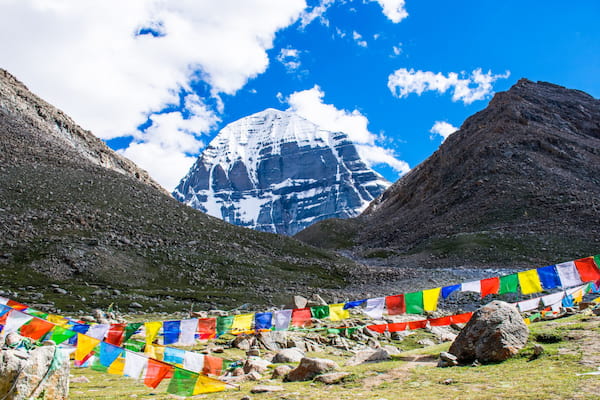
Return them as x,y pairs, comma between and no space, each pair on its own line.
443,128
393,9
316,12
476,86
309,104
358,39
290,58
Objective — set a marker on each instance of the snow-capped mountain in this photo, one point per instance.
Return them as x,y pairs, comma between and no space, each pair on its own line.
275,171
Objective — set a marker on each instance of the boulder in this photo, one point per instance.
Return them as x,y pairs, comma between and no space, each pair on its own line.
44,374
256,364
369,355
265,389
281,371
495,333
297,302
332,378
293,354
309,368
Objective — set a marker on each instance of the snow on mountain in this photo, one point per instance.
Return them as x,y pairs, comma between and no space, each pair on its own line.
275,171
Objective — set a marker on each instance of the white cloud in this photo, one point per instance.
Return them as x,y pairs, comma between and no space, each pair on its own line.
467,89
358,39
290,58
393,9
309,104
317,12
397,50
443,128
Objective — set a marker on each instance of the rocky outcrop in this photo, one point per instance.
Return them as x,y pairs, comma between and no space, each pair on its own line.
275,171
494,333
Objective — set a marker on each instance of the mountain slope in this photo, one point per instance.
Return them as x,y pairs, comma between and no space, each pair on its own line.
275,171
518,183
74,213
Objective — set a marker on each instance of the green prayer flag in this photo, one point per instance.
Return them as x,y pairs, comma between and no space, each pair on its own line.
597,260
182,383
97,366
223,324
319,312
135,345
38,314
130,330
60,334
414,302
509,284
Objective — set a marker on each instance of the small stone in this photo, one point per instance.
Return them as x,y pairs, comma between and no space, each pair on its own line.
136,305
368,355
281,371
448,381
254,376
332,378
218,350
246,398
80,379
60,290
266,389
256,364
444,355
238,372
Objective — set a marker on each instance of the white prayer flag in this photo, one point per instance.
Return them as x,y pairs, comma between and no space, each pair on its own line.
473,286
374,307
134,364
14,321
528,305
569,276
188,329
3,300
98,331
193,361
281,319
552,299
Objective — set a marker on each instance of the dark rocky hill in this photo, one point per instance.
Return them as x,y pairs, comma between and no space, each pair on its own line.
518,184
76,215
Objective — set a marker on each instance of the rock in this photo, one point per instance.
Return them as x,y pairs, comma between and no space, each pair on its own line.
332,378
368,355
281,371
447,360
426,342
495,333
217,349
297,302
293,354
237,372
242,342
80,379
136,305
538,350
273,340
253,352
60,290
391,349
448,381
254,376
309,368
256,365
246,398
34,368
266,389
316,300
444,334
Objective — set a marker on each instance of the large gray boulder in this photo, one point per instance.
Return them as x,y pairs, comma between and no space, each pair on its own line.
293,354
309,368
495,333
44,374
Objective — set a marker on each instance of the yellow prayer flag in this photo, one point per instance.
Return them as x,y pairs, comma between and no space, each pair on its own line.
149,350
337,312
159,352
578,296
527,321
152,329
242,323
116,368
529,281
596,300
85,345
205,384
57,319
430,299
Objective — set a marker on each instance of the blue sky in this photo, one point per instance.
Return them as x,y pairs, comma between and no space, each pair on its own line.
158,81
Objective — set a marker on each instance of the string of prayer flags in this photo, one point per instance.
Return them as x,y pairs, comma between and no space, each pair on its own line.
109,353
207,329
242,323
395,304
319,312
442,321
448,290
36,328
282,319
490,286
508,284
569,276
183,382
414,302
171,332
461,318
263,321
223,324
98,331
529,281
587,268
473,286
301,317
337,312
397,326
430,299
134,364
549,277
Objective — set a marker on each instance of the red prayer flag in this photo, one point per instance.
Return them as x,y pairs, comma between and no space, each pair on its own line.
213,365
16,305
156,372
36,328
587,268
417,324
461,318
397,327
490,286
115,334
301,317
207,327
443,321
4,317
395,304
378,328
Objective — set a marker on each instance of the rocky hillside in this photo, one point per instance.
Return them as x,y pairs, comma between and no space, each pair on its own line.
275,171
518,184
76,215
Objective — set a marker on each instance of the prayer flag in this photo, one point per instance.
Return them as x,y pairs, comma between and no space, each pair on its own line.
508,284
85,345
61,334
549,277
242,323
3,300
173,355
134,364
529,281
36,329
155,373
567,301
552,299
414,302
461,318
490,286
569,276
417,324
319,312
193,361
352,304
16,305
430,299
397,327
152,329
528,305
182,383
79,328
374,308
223,325
115,334
171,332
337,312
473,286
378,328
301,317
117,367
212,365
130,330
14,320
57,319
588,270
98,331
188,328
109,353
205,384
282,319
442,321
395,304
447,290
262,321
207,328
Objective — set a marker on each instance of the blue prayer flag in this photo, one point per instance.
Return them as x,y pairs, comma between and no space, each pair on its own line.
567,301
79,328
549,277
263,320
173,355
352,304
171,332
449,289
109,353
